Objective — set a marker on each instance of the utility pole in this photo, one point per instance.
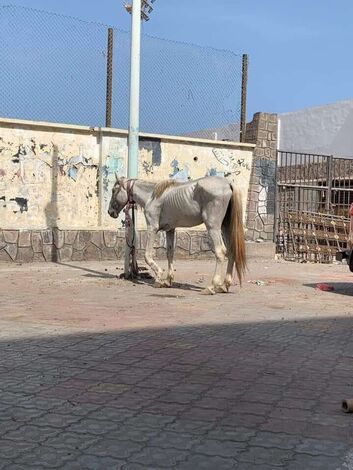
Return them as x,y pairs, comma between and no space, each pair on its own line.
140,11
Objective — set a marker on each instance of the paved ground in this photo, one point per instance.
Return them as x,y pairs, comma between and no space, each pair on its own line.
98,373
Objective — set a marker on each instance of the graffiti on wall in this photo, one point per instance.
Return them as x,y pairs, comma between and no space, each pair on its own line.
232,163
179,172
64,178
37,175
114,165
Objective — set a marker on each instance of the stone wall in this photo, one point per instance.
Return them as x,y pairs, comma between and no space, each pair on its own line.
23,246
262,131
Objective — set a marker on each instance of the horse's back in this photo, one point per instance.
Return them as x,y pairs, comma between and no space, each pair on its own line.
214,186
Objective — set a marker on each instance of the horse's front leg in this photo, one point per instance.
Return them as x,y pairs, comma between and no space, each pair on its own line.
170,255
151,236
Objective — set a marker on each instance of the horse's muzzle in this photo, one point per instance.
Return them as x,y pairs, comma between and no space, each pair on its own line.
113,213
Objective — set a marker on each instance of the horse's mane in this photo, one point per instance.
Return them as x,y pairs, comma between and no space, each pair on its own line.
161,187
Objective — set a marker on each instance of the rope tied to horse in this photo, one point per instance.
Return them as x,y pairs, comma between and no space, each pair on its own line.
130,225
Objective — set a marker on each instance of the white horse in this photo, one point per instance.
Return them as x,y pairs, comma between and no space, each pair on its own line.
167,205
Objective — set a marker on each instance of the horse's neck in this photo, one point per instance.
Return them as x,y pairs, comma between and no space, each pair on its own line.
142,192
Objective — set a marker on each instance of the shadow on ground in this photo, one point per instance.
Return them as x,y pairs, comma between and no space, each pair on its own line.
245,396
342,288
144,278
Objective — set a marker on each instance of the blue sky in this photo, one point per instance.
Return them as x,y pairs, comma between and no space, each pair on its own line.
300,51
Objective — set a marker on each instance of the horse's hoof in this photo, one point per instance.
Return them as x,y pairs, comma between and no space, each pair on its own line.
169,281
161,284
209,291
221,289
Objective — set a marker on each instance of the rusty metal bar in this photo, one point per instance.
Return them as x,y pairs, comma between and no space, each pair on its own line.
244,86
304,186
329,183
109,94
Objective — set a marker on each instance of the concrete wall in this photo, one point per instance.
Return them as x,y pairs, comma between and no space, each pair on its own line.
57,179
322,130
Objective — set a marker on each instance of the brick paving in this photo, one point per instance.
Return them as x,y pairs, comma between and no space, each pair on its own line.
98,373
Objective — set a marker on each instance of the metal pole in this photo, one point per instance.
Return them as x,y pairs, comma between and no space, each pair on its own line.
276,203
244,85
109,95
132,167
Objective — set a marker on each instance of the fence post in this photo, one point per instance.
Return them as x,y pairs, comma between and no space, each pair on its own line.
276,203
109,94
329,183
244,85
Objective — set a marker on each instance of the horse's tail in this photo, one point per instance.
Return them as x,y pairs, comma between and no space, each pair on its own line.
235,233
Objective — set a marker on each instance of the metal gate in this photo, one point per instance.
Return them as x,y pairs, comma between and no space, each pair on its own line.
313,196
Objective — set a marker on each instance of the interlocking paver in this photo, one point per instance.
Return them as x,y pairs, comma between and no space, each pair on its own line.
11,449
93,426
289,426
32,433
46,457
113,448
221,448
20,414
76,409
110,413
205,462
203,414
190,426
309,462
321,447
148,420
71,440
92,462
274,440
228,433
133,433
243,419
174,440
55,420
267,456
157,457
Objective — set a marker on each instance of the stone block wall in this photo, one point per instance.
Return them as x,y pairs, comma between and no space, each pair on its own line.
262,131
22,246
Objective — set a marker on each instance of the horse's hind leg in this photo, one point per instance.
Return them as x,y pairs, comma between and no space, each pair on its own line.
220,254
228,280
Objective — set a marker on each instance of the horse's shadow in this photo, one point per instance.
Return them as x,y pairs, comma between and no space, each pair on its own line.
147,280
144,278
90,272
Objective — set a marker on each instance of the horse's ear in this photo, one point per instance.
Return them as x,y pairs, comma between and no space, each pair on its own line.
120,179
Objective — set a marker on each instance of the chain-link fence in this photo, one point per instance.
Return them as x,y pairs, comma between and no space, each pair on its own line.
54,68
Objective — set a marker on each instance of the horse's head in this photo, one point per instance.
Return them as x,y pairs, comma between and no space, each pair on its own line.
119,198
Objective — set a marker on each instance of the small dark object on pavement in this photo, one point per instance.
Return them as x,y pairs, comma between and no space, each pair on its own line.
347,405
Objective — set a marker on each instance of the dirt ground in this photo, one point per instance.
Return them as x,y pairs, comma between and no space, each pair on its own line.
90,296
98,372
